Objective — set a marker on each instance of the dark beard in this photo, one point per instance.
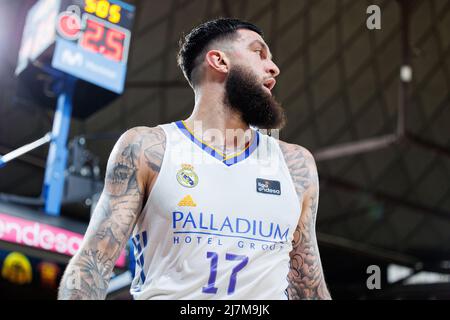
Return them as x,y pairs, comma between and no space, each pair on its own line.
244,94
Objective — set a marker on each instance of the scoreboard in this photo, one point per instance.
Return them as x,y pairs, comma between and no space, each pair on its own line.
87,39
93,41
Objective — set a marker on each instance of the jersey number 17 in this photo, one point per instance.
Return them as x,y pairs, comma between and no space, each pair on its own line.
211,287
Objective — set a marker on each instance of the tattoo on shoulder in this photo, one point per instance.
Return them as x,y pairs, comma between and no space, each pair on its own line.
122,176
299,167
154,153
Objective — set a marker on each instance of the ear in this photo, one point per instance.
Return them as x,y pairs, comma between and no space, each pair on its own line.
218,61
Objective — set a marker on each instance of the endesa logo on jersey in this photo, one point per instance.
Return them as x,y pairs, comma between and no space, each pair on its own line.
268,186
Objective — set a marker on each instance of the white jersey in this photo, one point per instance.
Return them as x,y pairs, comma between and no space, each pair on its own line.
216,227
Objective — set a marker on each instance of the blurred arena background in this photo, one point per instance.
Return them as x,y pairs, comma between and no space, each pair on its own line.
382,145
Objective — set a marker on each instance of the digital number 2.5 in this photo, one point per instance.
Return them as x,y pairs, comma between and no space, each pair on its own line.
211,287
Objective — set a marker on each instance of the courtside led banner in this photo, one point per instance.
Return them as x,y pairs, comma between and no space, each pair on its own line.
43,236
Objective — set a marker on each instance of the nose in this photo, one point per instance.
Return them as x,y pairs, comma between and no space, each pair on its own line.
273,69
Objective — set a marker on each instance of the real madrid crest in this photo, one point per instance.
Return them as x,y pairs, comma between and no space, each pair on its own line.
186,176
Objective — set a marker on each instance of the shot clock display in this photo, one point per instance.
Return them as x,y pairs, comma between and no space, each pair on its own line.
87,39
93,40
103,40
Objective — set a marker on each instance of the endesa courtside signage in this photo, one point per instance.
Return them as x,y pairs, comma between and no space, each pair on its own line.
42,236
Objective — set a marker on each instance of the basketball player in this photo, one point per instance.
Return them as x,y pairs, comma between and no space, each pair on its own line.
209,217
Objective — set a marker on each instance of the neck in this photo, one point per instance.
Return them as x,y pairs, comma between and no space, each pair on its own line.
216,124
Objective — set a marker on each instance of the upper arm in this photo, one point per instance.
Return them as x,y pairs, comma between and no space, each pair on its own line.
306,279
120,201
131,167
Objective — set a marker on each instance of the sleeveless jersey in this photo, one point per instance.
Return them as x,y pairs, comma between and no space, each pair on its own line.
216,227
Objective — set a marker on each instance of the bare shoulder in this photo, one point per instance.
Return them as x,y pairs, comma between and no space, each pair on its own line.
301,165
292,151
152,143
138,153
145,135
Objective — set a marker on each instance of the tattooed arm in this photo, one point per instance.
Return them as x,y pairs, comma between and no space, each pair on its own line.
306,279
131,171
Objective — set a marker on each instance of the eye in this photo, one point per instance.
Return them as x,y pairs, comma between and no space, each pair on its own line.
259,51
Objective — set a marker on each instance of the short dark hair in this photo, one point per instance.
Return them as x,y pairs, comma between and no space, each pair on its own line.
193,44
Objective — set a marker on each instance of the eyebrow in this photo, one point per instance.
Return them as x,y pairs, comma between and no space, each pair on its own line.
262,44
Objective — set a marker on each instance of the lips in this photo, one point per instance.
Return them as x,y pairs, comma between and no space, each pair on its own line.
270,84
